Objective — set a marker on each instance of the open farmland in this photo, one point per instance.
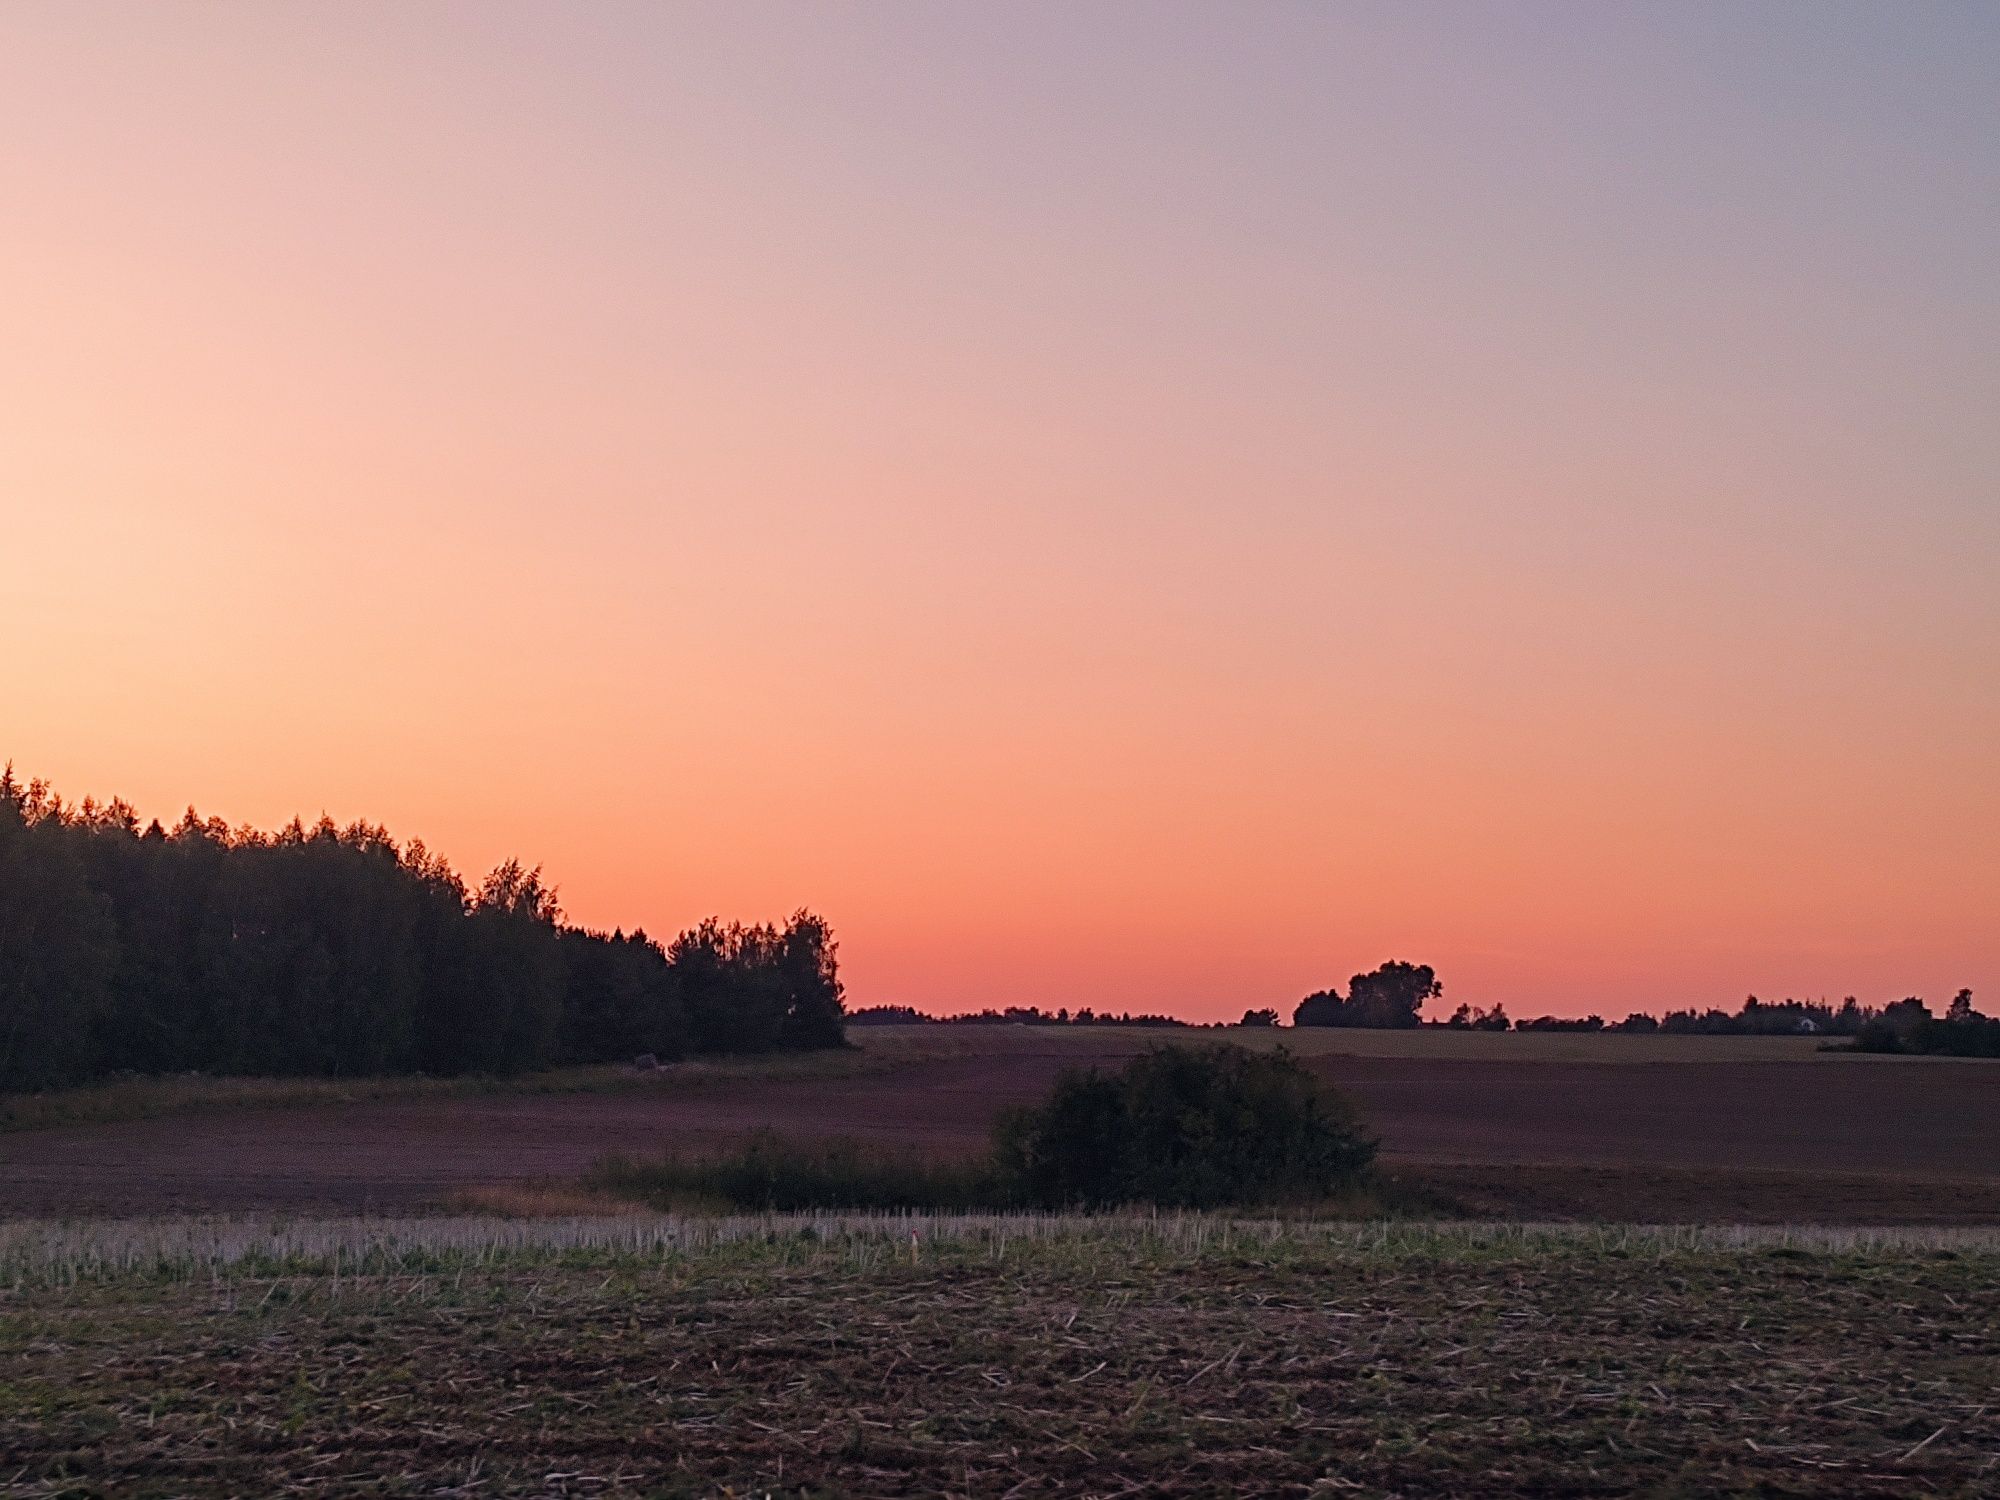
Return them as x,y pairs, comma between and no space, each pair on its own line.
1646,1128
1184,1357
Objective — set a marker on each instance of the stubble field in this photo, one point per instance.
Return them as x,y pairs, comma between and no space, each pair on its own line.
295,1349
1095,1359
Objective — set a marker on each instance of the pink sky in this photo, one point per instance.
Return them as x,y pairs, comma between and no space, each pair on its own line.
1156,508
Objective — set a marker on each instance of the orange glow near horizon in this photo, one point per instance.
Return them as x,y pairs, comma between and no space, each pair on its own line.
987,478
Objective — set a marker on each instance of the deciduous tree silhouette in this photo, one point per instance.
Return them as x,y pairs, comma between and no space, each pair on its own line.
1391,996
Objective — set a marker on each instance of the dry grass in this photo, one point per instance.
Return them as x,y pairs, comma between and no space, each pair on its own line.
51,1252
144,1098
882,1049
539,1200
1324,1041
1001,1357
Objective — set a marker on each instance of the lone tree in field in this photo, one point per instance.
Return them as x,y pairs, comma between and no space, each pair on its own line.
1185,1127
1391,997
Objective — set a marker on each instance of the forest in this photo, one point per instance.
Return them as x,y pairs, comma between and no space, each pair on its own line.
335,951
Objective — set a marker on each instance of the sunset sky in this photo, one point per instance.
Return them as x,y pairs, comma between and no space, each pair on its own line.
1145,506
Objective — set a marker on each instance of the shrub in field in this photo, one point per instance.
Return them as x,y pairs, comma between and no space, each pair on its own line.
1180,1127
1185,1127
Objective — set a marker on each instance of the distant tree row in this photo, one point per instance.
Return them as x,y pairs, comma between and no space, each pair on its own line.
1909,1026
1013,1015
1888,1028
1393,996
1465,1018
333,951
888,1015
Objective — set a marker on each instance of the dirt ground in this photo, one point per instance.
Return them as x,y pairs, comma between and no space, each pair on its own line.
1796,1135
1076,1366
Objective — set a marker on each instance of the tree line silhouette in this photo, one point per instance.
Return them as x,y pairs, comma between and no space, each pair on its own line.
1392,996
335,951
1897,1026
1012,1015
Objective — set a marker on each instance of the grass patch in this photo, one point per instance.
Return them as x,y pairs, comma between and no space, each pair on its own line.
538,1200
143,1098
38,1254
773,1175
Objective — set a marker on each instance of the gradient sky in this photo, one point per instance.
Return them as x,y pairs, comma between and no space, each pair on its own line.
1157,506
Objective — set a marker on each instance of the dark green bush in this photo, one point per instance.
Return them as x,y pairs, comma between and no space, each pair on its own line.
1877,1036
1972,1036
1978,1036
1185,1127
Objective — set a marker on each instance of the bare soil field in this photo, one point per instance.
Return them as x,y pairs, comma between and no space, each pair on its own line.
1758,1130
1094,1363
